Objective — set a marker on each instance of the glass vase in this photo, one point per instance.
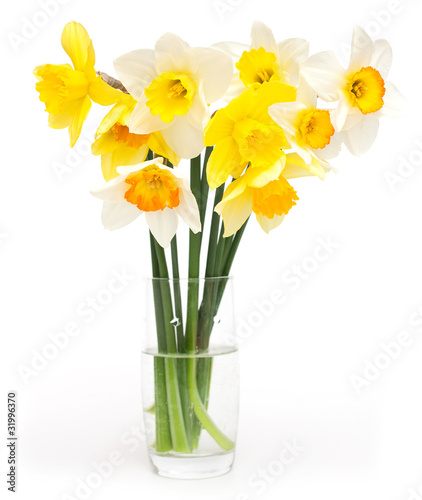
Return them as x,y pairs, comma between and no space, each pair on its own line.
190,377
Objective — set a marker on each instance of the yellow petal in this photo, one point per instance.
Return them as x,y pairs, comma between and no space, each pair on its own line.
157,144
269,224
78,46
109,172
78,118
124,155
61,120
101,93
219,127
225,160
234,189
260,176
113,116
236,211
297,167
104,144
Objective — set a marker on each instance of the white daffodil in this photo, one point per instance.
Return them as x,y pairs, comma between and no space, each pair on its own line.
264,60
160,192
363,93
308,130
173,85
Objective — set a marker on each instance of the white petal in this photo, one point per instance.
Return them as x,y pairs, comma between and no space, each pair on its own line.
112,191
142,121
216,71
324,74
303,152
117,215
174,54
291,54
236,87
362,49
188,207
198,114
332,150
136,70
269,224
183,138
353,118
395,104
233,49
360,138
343,109
382,58
262,36
285,114
306,94
163,225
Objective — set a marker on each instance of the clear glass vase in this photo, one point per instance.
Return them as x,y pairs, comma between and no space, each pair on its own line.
190,387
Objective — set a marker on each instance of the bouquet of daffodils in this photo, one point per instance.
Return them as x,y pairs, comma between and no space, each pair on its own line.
251,119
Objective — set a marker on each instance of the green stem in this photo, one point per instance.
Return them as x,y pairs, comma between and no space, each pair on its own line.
181,348
213,294
203,199
177,424
212,244
162,427
194,255
200,411
177,296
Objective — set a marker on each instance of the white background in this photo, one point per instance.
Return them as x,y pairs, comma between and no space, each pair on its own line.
296,365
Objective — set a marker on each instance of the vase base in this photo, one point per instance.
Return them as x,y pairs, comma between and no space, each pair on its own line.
192,466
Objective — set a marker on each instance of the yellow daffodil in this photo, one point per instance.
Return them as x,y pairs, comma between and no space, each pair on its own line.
308,130
67,92
174,84
362,90
119,147
243,132
265,60
161,193
269,200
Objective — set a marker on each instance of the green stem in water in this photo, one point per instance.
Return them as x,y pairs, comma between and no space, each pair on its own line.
213,294
200,411
162,427
181,362
177,425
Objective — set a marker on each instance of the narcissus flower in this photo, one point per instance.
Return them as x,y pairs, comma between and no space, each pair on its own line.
161,193
173,86
119,147
308,130
264,60
270,201
362,89
67,91
243,132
